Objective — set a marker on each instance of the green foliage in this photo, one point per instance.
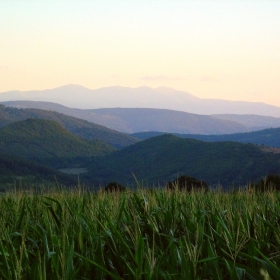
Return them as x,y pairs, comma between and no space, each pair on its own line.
161,159
38,138
187,183
146,234
114,187
270,182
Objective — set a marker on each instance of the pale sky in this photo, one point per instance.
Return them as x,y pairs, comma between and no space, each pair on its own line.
225,49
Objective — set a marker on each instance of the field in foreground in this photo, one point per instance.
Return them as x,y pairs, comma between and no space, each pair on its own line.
145,234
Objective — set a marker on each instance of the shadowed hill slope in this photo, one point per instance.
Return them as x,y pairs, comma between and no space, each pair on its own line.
268,137
163,158
15,168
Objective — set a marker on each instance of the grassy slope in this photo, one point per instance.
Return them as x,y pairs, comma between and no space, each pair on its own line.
163,158
36,138
81,128
268,137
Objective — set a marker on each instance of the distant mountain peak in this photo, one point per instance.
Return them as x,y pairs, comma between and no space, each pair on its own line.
77,96
172,91
71,87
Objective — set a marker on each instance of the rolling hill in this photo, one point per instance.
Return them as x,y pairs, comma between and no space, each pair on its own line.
40,139
254,122
78,127
143,97
145,119
267,137
163,158
131,120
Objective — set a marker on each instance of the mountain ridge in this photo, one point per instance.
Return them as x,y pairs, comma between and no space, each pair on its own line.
132,120
267,137
142,97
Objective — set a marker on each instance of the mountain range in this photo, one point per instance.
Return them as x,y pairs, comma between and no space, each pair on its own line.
43,136
132,120
143,97
267,137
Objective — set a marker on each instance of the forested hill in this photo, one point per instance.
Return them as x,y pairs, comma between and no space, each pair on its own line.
78,127
163,158
15,170
37,138
268,137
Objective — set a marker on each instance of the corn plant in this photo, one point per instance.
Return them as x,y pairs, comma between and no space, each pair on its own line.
141,234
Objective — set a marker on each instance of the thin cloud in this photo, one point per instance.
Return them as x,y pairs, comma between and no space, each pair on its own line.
208,79
256,94
161,78
114,77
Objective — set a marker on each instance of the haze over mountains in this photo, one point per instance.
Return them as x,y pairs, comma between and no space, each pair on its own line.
143,97
133,120
62,137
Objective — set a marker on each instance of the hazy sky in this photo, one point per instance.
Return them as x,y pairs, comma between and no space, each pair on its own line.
211,49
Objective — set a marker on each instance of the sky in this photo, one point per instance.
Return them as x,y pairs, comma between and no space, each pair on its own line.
224,49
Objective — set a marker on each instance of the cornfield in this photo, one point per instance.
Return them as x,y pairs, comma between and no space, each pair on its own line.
142,234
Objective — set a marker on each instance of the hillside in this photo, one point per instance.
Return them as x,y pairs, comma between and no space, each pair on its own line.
160,159
78,127
267,137
142,97
130,120
144,119
13,169
45,139
255,122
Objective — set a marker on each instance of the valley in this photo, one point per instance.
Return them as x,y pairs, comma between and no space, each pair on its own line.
131,145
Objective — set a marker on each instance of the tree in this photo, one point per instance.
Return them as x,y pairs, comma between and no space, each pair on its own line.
114,187
187,183
270,182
